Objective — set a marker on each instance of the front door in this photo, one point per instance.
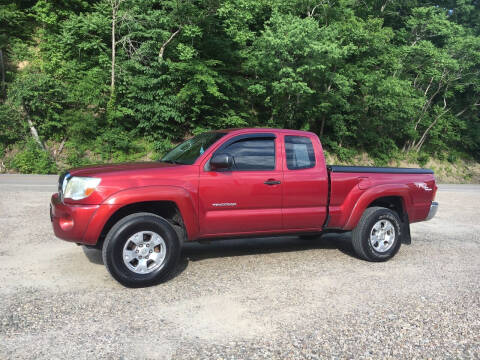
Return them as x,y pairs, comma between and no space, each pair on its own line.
248,197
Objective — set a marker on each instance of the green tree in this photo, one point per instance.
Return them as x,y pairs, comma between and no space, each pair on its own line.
115,78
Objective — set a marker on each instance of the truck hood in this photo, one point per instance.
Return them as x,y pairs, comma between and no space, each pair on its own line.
119,177
110,169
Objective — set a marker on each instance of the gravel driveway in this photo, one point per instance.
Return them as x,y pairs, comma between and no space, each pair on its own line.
243,299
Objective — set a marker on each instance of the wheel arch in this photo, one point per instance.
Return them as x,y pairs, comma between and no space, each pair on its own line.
173,203
394,197
166,209
395,203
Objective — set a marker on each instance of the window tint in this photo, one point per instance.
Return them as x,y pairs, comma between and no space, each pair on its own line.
300,154
252,154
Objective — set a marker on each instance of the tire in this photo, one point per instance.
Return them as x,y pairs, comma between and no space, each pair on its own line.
377,235
151,246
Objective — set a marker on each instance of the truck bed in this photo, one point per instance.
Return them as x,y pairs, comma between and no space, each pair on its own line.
373,169
353,188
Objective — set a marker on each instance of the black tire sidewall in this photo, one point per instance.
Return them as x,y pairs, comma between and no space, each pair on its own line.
120,235
382,214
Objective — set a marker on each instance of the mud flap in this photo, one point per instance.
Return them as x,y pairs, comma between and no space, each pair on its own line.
405,236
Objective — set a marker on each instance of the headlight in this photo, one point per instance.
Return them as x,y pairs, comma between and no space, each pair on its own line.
80,187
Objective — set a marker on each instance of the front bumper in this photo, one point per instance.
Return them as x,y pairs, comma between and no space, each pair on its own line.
70,222
433,210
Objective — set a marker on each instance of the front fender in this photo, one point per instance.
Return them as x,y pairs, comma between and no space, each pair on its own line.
374,193
175,194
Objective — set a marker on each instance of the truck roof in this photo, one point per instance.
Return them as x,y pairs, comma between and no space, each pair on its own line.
260,129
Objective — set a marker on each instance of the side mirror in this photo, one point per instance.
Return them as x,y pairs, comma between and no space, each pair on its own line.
221,162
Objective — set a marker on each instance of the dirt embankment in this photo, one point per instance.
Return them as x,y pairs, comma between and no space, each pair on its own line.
459,171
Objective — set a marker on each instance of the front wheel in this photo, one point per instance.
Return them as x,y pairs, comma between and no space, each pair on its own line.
141,250
377,235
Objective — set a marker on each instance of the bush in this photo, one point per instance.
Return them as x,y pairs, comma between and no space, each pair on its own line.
76,155
82,125
10,125
422,159
343,154
384,151
441,155
161,147
114,143
452,157
33,160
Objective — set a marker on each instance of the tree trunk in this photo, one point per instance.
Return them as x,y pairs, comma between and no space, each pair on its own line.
322,125
382,9
420,142
164,45
57,152
114,45
2,70
33,130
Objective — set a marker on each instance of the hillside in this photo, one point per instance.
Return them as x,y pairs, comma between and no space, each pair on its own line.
112,80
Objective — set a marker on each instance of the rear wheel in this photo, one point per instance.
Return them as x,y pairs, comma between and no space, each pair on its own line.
377,235
141,250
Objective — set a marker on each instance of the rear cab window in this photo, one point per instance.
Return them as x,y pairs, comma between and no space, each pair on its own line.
299,152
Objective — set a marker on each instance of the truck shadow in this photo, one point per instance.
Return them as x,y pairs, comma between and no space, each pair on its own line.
251,246
93,255
195,251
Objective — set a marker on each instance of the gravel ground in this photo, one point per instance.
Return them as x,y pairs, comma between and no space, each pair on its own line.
281,298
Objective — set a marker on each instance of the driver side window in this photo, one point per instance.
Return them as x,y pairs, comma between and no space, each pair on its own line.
252,154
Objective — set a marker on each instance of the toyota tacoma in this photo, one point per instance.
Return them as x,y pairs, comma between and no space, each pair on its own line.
235,183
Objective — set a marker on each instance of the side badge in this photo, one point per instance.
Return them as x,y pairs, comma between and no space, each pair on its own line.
422,185
224,204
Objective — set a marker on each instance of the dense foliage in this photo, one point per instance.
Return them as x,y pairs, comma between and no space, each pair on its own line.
120,79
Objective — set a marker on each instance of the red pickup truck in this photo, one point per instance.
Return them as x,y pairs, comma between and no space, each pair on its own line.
235,183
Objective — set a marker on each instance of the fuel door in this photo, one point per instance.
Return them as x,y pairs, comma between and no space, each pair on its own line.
364,182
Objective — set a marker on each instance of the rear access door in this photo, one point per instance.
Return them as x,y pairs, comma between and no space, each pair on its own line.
305,183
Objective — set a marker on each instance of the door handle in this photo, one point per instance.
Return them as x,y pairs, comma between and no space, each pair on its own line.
272,182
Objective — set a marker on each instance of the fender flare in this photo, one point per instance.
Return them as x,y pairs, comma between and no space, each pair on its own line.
374,193
178,195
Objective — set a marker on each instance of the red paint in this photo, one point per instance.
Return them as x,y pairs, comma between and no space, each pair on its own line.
305,192
298,204
258,206
70,222
348,201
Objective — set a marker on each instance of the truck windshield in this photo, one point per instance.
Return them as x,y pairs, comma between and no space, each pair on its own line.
187,152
